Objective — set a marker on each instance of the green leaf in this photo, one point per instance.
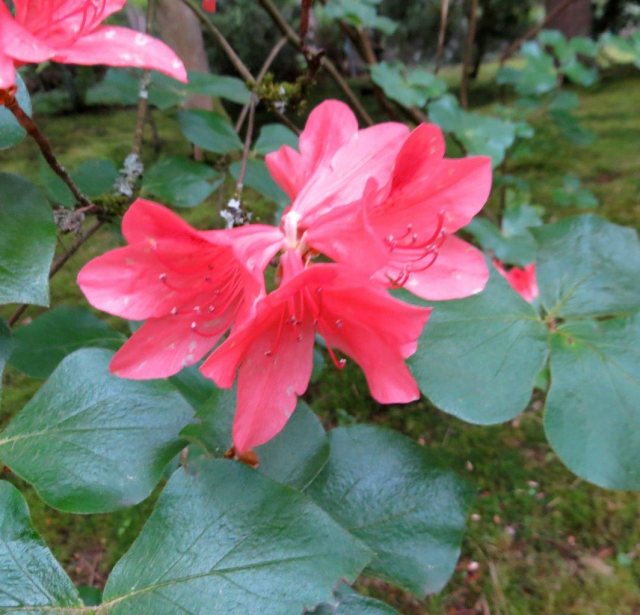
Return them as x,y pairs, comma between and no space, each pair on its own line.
11,133
91,442
390,493
274,136
32,579
294,457
193,386
27,242
6,347
410,88
210,131
229,88
258,178
95,177
518,249
299,452
592,417
41,345
348,602
478,357
588,267
180,182
573,193
225,539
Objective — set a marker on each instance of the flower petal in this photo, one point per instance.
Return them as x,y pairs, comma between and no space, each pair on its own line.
18,43
163,346
459,270
369,154
274,359
116,46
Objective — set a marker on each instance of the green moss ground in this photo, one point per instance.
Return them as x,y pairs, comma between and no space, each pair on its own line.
545,543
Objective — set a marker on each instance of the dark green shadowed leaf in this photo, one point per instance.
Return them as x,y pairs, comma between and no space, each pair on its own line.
588,267
27,242
225,539
193,386
274,136
210,131
229,88
41,345
388,492
478,358
258,178
180,182
11,133
30,577
294,457
91,442
592,416
6,346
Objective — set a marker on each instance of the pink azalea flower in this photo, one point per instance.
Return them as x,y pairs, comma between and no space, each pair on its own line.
189,286
522,280
209,5
335,161
69,31
400,227
273,351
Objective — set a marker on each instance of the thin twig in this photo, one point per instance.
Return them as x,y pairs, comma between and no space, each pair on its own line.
468,54
560,8
247,146
60,262
238,64
9,100
273,54
326,63
442,34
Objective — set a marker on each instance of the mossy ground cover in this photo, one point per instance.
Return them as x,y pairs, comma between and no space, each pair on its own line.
540,541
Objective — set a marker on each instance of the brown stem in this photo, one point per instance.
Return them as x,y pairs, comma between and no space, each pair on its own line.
531,33
362,43
442,33
247,146
44,144
234,58
60,262
273,54
145,82
468,54
304,18
326,63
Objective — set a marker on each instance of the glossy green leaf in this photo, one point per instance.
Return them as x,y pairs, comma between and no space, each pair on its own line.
478,357
592,417
390,493
229,88
27,242
348,602
193,386
6,347
210,131
274,136
515,249
32,581
91,442
294,457
42,344
588,267
299,452
11,133
225,539
180,182
258,178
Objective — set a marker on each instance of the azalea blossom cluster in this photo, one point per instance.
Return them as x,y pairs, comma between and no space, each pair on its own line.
371,210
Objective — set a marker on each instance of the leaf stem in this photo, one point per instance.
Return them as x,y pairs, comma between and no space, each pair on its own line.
9,100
